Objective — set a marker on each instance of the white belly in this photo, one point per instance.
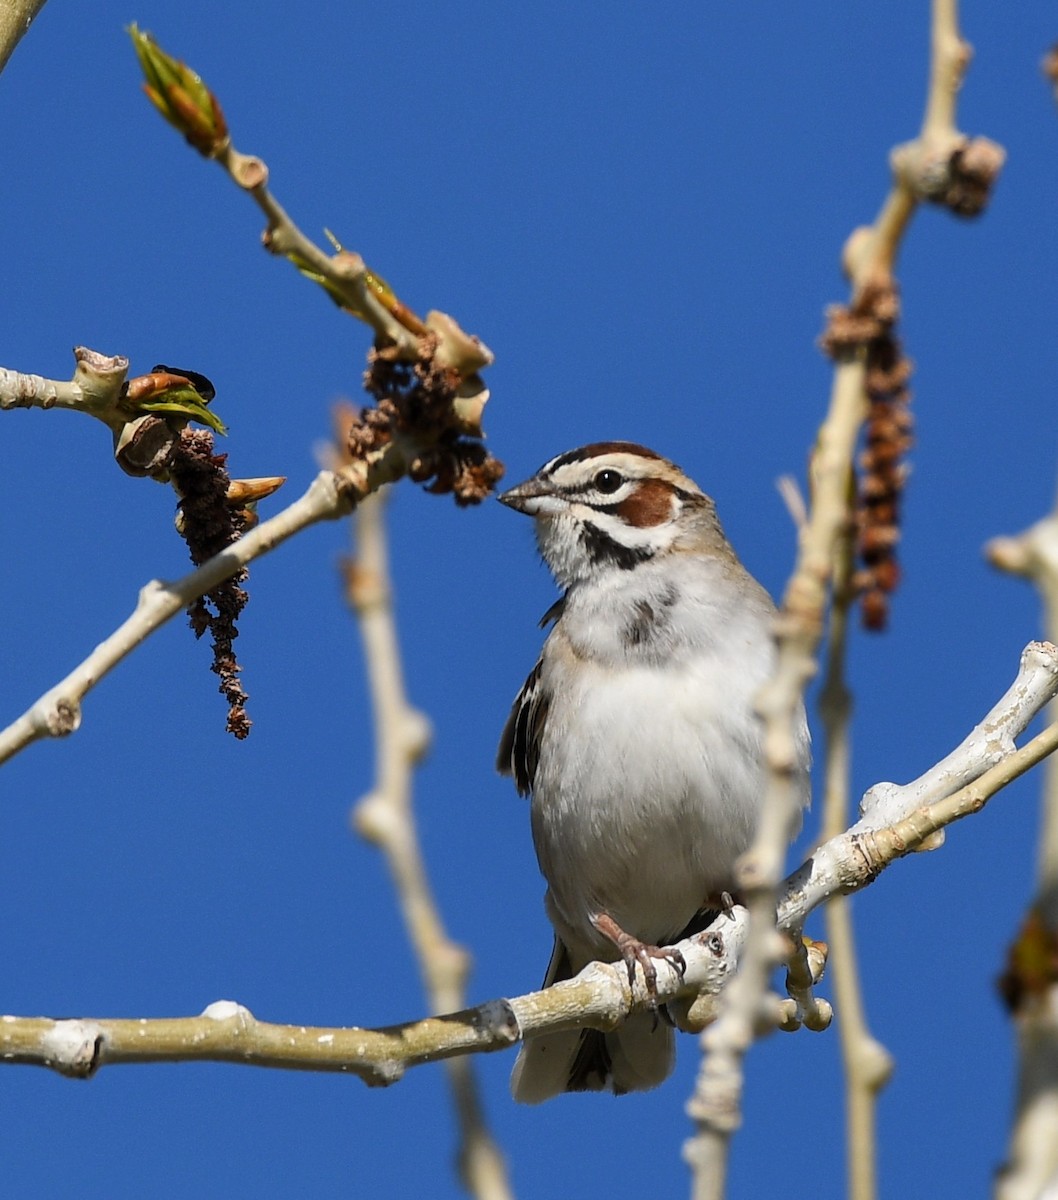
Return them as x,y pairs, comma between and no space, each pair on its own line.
648,788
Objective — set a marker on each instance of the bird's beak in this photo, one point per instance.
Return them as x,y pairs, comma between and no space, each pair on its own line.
532,497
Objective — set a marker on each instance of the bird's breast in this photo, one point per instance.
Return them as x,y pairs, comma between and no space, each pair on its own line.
647,789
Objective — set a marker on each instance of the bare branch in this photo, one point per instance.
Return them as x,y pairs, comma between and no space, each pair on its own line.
1031,992
867,1064
1034,556
186,102
869,258
16,16
227,1032
96,388
898,820
58,712
386,818
599,996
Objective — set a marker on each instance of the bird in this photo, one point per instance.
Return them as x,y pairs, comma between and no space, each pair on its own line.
636,738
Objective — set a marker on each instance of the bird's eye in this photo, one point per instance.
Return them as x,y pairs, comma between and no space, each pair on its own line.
608,481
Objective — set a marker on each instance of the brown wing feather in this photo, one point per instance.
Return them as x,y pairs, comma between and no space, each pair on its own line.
519,749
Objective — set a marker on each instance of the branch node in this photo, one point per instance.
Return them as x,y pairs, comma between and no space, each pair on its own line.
63,718
953,171
385,1073
73,1048
416,735
933,842
877,796
375,819
227,1010
247,170
874,1063
498,1019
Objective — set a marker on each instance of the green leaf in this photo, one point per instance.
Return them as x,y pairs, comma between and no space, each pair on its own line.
193,409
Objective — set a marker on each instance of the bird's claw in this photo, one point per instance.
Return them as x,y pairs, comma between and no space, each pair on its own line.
633,951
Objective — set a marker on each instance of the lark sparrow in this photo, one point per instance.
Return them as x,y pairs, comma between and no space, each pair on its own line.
635,734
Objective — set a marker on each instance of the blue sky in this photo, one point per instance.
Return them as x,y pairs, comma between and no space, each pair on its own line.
640,209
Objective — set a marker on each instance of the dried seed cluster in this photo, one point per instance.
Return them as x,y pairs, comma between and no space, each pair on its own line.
209,524
883,472
416,400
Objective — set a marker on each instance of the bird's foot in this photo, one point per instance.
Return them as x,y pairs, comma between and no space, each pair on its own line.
633,951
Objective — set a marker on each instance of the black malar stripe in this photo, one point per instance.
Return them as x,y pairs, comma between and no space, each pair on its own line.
604,549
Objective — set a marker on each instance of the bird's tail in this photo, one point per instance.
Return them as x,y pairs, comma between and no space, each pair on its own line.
634,1058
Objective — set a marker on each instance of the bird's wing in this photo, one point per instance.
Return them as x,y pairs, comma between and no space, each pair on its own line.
519,749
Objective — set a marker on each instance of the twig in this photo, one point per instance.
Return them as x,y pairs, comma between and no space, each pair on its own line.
599,996
1034,556
19,390
802,1008
146,415
442,436
793,498
715,1106
58,712
386,818
344,274
867,1064
227,1032
353,286
1032,1163
185,101
987,758
96,388
16,16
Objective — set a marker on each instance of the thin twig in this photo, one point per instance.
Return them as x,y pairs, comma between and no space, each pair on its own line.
16,16
599,996
867,1064
715,1106
1032,1162
1033,555
386,818
227,1032
58,712
392,452
803,1009
847,862
349,282
346,274
185,101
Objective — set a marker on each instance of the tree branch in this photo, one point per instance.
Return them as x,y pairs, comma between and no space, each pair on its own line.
435,439
16,16
867,1064
386,817
227,1032
1030,985
987,758
869,257
58,712
599,996
185,101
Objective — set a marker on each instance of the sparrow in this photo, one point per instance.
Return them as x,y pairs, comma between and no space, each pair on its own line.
635,737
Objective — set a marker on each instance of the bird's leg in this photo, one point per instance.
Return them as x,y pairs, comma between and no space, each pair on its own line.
633,951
